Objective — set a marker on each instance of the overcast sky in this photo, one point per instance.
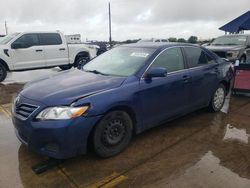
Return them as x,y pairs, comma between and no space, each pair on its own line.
131,19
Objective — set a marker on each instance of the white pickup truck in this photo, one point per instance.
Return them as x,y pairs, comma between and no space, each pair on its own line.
36,50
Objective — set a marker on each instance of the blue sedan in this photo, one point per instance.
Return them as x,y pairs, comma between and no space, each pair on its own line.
122,92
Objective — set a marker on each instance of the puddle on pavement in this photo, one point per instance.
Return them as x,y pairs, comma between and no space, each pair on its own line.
234,134
225,107
26,76
208,172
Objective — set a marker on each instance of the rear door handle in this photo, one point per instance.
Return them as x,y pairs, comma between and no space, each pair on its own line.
39,50
61,49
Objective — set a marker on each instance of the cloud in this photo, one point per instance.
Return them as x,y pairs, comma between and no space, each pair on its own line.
130,18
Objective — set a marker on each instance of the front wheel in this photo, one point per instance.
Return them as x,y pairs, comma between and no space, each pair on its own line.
112,134
3,72
218,99
65,67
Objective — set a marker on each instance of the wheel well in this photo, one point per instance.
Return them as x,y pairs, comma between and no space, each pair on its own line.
81,54
4,64
127,109
227,85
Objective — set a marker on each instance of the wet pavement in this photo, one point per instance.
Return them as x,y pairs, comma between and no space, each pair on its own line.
201,149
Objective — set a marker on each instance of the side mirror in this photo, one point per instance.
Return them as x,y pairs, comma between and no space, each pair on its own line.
156,72
17,45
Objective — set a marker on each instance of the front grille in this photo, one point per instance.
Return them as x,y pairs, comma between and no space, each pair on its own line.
221,54
25,110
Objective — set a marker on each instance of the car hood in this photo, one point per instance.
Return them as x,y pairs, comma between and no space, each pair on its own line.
64,88
225,48
2,46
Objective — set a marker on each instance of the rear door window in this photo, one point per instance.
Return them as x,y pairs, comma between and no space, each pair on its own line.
197,57
50,39
171,59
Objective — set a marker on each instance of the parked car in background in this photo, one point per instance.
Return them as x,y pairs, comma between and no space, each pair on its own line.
232,47
102,46
128,89
35,50
153,40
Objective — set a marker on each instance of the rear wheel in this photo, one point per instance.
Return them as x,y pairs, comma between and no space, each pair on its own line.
112,134
81,61
218,99
3,72
243,59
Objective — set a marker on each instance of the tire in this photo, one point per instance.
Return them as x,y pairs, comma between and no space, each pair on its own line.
218,99
243,59
65,67
112,134
3,72
81,61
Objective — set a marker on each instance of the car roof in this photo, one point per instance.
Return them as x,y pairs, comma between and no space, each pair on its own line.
157,45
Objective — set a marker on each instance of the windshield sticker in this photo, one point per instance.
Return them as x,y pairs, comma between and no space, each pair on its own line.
139,54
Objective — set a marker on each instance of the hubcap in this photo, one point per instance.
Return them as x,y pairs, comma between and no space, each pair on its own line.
81,63
219,98
114,132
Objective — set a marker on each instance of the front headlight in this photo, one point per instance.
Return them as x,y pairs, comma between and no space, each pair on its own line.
63,112
233,54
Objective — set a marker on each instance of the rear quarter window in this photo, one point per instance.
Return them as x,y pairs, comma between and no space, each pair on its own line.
197,57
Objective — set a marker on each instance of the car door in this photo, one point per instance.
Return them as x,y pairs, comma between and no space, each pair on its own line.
28,54
55,51
204,72
165,97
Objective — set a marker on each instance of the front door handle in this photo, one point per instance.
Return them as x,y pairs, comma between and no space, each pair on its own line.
39,50
61,49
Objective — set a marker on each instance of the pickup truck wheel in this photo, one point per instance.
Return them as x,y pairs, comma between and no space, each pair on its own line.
65,67
112,134
3,72
218,99
80,62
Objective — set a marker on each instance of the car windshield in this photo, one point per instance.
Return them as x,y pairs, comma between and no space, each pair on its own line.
230,40
120,61
8,38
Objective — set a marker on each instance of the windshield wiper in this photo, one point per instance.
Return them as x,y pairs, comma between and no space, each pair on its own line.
96,72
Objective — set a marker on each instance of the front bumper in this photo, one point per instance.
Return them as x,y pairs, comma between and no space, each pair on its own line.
58,139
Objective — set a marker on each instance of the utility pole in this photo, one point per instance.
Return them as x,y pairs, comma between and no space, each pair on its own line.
6,28
110,38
